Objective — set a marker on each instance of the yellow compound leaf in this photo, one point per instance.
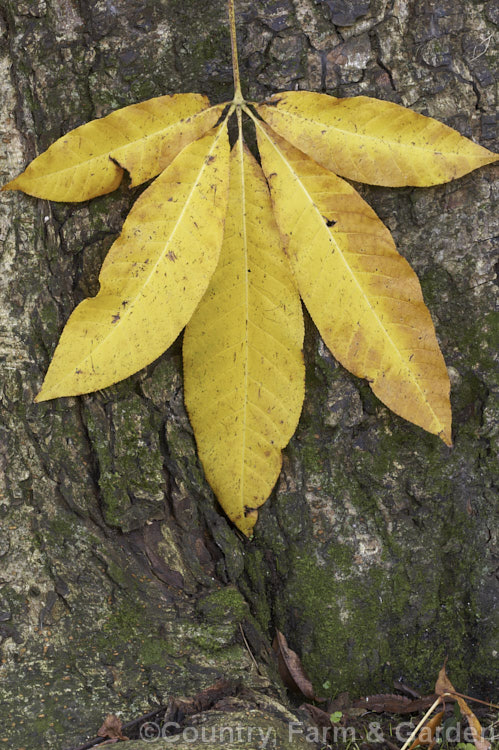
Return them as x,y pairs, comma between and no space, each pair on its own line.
243,363
244,379
153,277
363,296
373,141
142,138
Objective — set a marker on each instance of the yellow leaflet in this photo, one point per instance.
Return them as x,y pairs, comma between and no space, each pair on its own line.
243,364
363,296
372,141
153,277
143,138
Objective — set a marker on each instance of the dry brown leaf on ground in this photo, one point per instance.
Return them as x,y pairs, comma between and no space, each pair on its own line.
394,704
112,729
291,669
427,734
443,686
318,716
207,698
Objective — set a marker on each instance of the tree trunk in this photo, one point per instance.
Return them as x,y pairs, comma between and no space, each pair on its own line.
122,582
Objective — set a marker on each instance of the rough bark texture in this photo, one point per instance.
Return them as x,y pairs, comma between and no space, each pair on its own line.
121,580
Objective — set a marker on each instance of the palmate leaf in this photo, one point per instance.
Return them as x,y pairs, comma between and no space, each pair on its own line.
243,364
242,349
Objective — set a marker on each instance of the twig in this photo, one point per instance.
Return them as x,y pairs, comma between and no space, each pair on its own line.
249,650
477,700
414,733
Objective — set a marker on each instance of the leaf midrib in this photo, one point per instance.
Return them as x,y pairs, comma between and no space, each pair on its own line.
383,140
246,311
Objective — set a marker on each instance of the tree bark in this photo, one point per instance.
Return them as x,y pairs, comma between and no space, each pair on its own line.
122,582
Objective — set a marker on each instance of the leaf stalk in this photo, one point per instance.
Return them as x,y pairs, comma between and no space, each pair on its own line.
238,97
